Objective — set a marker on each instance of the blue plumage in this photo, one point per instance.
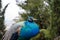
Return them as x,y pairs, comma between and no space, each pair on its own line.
29,29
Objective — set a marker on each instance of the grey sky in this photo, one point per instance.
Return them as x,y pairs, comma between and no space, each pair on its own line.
12,10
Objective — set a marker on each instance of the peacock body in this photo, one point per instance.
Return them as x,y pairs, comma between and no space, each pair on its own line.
28,30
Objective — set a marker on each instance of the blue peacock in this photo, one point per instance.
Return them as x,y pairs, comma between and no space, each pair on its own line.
29,29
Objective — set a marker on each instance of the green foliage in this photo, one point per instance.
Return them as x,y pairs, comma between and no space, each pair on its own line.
48,16
46,33
2,27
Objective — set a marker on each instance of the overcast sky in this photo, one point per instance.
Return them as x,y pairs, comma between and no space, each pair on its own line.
12,10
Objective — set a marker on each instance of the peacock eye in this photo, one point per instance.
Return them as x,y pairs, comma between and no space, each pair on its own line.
26,2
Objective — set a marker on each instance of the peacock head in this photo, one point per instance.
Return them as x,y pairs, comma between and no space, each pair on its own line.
30,19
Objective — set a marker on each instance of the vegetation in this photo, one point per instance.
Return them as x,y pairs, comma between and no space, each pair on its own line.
47,14
2,27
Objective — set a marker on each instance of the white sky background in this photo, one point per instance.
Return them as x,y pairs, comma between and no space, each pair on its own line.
12,11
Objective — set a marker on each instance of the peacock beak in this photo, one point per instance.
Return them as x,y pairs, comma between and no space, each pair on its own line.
35,19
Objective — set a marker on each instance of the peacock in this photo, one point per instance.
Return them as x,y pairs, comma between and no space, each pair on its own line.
28,29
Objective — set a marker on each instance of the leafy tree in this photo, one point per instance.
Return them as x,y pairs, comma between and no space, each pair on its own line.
47,13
